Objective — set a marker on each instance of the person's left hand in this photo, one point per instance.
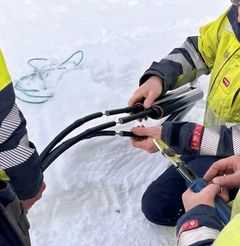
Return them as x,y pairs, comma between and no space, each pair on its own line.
225,172
27,204
146,136
206,196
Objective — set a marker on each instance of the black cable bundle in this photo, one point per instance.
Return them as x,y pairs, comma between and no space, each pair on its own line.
175,104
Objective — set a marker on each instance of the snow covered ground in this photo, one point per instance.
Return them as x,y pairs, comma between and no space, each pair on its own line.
94,190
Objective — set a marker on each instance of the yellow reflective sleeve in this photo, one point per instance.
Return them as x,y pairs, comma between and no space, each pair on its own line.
5,78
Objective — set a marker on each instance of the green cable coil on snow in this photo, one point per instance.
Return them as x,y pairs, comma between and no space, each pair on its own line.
25,87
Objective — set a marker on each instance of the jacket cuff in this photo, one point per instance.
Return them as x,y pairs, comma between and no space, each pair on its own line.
155,70
199,226
203,215
26,178
183,137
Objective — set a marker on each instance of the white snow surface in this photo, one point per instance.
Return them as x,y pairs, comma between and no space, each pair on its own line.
94,190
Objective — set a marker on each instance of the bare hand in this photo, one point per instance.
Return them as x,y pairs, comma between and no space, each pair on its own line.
206,196
225,172
146,142
150,90
27,204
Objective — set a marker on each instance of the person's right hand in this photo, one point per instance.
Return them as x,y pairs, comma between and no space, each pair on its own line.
150,90
225,172
206,196
146,136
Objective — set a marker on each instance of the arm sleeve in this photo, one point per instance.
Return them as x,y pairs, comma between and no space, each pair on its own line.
181,66
199,226
195,57
18,156
192,138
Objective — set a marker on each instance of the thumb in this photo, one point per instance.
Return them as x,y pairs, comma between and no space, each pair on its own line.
149,100
211,190
140,131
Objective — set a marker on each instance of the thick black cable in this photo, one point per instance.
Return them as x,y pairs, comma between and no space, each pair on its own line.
70,142
66,131
138,107
98,131
154,113
177,116
163,108
174,105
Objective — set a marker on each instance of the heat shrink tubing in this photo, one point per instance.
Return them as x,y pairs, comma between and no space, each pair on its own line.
169,104
174,104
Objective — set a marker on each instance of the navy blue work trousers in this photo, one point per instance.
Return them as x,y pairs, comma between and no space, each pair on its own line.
162,201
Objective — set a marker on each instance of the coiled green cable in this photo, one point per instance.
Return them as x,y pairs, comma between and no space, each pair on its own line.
36,96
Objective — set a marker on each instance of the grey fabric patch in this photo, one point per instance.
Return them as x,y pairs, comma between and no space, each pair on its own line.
196,58
16,217
186,66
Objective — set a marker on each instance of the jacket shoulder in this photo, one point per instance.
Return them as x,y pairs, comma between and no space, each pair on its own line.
5,78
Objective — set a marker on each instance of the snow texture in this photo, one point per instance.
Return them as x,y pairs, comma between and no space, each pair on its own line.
94,190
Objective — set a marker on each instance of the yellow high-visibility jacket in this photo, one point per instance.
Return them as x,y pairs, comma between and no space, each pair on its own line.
217,51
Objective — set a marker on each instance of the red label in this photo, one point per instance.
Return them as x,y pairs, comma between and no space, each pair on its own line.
196,137
226,82
189,225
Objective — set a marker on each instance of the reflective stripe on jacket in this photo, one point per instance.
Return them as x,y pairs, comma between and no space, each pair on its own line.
18,156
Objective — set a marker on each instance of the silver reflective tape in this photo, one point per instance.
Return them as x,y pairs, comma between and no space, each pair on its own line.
196,58
9,124
197,235
210,140
24,141
236,140
17,156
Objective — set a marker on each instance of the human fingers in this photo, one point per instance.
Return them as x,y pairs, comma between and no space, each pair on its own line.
189,201
145,144
137,96
230,180
140,131
224,194
206,196
154,132
211,190
150,99
218,167
223,166
150,90
27,204
154,87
